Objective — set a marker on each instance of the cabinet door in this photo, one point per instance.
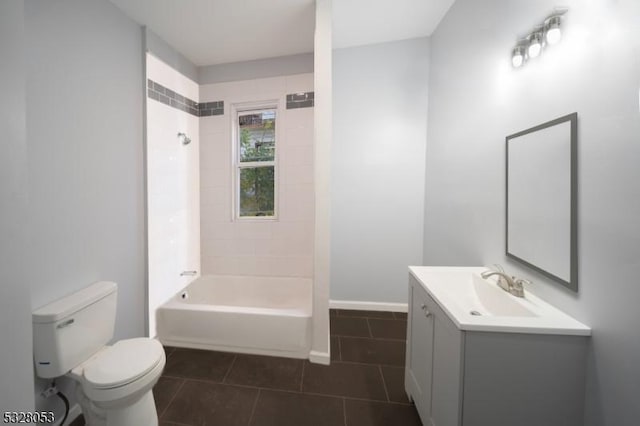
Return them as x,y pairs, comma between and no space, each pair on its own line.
447,371
420,353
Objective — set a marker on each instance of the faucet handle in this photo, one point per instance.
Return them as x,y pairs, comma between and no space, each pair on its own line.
520,282
518,286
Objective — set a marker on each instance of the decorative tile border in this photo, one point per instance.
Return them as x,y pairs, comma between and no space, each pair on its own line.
168,97
300,100
206,109
211,108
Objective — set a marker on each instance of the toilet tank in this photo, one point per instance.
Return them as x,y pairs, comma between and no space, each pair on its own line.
70,330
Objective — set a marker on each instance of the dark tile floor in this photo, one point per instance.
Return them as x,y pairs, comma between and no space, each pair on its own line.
363,386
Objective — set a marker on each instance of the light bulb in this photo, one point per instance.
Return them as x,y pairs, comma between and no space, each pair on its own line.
517,57
535,45
554,34
517,61
534,50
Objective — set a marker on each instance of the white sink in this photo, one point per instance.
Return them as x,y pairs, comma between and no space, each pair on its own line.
474,303
486,298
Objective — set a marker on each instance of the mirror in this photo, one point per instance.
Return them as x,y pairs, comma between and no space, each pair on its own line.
541,199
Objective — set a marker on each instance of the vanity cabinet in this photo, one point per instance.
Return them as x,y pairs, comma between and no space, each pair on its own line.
479,378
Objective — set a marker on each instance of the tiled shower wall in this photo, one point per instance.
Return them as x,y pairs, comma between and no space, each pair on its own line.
172,183
280,247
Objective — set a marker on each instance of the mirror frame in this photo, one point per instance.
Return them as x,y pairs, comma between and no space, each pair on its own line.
572,284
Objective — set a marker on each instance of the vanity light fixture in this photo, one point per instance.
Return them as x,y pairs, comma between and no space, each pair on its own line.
532,45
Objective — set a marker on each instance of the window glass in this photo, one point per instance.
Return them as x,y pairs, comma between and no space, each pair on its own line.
257,136
255,163
257,186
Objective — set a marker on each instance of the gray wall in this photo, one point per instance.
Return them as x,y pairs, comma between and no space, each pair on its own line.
377,168
167,54
259,68
476,99
85,167
16,367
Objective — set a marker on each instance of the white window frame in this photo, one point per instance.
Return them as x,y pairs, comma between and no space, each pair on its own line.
237,110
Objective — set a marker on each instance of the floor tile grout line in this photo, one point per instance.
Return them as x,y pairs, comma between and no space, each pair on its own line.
339,349
369,328
384,383
369,364
302,376
197,379
344,410
212,382
372,364
393,315
262,388
224,379
253,410
256,387
383,339
328,395
403,404
184,381
341,361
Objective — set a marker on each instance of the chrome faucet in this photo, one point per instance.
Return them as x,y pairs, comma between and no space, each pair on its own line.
508,283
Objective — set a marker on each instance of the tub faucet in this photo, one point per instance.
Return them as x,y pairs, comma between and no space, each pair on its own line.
508,283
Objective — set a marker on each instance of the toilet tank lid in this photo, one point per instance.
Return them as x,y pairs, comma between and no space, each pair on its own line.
72,303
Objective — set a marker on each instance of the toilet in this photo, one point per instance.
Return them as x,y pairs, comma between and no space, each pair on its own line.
113,383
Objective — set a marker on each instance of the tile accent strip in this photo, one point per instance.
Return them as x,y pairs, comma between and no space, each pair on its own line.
169,97
300,100
211,108
175,100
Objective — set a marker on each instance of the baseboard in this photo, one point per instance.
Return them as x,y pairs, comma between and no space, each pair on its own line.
368,306
323,358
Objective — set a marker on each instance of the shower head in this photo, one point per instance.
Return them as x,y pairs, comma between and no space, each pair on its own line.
184,138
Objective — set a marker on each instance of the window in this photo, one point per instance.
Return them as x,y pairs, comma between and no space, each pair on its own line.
255,146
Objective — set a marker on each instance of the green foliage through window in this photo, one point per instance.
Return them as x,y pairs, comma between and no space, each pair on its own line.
257,191
257,136
256,181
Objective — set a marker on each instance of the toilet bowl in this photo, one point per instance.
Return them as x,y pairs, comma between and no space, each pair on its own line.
114,387
114,384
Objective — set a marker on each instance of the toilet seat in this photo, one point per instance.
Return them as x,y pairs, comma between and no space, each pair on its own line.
123,363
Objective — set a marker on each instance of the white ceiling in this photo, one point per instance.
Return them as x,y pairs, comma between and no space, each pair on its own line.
360,22
211,32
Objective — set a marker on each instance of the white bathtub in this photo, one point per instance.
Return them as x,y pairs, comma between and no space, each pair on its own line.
259,315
